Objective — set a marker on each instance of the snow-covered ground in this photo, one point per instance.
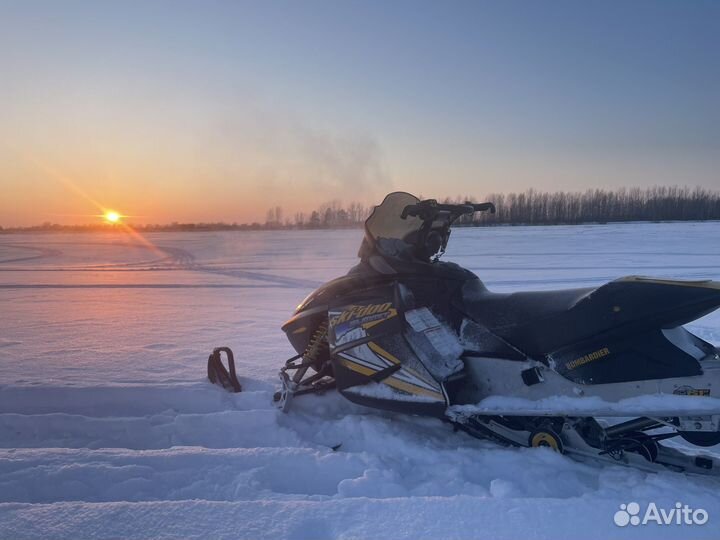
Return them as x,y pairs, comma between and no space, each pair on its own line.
108,428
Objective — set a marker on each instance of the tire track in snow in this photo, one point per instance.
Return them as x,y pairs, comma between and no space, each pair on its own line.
177,259
123,400
140,417
226,429
449,518
41,253
51,475
183,259
261,276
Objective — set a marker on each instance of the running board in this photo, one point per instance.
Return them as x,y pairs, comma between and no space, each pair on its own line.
673,406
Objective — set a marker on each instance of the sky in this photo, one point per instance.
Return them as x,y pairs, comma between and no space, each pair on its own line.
217,111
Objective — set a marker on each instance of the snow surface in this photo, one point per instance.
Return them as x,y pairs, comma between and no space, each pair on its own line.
109,429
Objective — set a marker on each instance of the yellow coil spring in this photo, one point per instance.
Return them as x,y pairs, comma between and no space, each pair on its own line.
317,343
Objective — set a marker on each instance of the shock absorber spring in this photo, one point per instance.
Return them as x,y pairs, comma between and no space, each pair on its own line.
317,345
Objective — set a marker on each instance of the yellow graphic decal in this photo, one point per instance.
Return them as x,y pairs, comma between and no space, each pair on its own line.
377,349
357,367
596,355
380,317
358,312
391,381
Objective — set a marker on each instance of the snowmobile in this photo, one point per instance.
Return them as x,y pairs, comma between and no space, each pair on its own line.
606,373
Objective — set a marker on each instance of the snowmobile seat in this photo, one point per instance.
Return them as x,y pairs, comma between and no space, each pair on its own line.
511,315
499,310
541,322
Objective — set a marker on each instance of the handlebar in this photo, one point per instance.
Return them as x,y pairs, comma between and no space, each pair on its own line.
429,209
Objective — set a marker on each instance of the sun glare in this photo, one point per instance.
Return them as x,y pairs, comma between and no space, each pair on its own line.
112,217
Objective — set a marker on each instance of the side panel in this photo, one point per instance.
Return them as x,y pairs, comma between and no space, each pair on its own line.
373,363
658,354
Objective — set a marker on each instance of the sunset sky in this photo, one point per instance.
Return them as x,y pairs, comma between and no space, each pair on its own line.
200,111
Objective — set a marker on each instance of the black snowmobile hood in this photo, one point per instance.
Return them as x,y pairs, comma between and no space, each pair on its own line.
382,269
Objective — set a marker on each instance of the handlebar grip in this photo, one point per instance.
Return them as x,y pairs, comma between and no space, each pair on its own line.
484,207
409,210
429,205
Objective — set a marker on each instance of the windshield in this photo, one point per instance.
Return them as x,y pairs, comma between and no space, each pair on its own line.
385,227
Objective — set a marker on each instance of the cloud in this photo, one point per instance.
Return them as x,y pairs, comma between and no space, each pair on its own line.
297,163
342,165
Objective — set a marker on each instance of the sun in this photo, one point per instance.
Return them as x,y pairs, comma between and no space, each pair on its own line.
112,217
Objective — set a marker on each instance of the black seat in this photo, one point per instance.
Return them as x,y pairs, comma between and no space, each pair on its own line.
535,322
500,310
541,322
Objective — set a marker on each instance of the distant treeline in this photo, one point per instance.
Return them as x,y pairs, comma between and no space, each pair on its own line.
330,215
529,208
600,206
532,207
